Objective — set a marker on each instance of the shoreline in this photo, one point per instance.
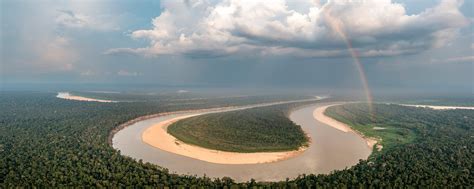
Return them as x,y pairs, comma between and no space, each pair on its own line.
68,96
435,107
145,117
330,150
319,115
158,137
210,110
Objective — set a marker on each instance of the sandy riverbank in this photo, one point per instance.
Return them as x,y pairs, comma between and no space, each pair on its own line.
329,150
320,116
157,136
438,107
68,96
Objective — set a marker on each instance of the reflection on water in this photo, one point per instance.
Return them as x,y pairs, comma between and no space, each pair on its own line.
330,150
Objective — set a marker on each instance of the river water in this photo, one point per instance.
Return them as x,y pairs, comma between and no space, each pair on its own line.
330,150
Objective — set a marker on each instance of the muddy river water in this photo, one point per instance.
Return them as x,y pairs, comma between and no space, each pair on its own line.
330,149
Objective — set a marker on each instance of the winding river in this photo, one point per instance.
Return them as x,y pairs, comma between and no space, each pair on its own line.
330,149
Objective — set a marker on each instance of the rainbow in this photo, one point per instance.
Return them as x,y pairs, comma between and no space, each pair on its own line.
337,26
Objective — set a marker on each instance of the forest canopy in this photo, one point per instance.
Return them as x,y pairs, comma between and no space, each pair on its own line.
251,130
50,142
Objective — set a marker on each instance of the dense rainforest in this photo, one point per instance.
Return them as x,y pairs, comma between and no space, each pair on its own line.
388,131
422,146
436,100
259,129
50,142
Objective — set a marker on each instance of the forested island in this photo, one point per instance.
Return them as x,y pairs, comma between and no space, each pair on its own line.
50,142
263,129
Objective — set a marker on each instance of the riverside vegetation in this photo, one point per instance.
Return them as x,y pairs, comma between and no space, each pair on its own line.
49,142
260,129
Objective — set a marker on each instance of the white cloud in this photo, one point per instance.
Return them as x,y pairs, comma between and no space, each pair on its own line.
468,59
459,59
71,19
128,73
199,28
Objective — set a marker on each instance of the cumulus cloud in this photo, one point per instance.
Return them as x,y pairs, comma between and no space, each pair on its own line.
199,28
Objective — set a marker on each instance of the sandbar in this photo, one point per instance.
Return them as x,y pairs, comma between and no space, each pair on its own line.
438,107
319,115
68,96
157,136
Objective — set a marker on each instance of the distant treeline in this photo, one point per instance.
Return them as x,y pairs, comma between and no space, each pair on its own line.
186,97
454,100
48,142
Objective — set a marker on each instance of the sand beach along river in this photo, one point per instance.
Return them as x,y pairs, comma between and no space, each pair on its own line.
330,149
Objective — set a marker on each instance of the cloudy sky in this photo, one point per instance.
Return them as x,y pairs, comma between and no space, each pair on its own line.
401,44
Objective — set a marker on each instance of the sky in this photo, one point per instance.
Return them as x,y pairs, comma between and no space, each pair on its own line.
424,45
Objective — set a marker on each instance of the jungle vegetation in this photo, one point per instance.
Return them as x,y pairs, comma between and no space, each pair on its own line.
436,100
389,132
259,129
48,142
